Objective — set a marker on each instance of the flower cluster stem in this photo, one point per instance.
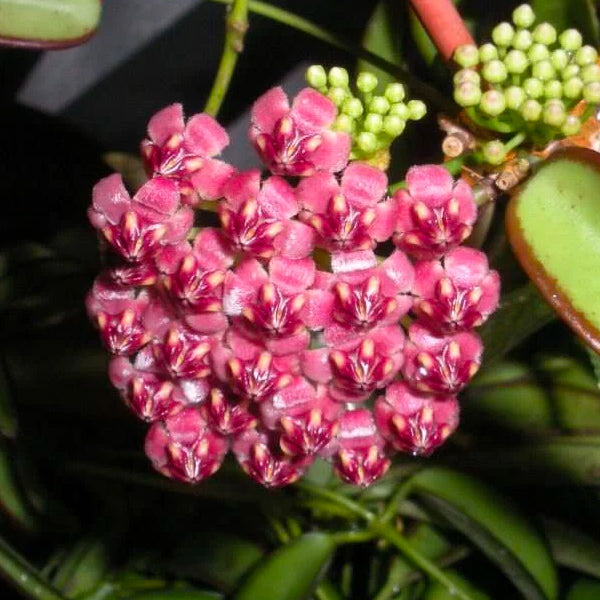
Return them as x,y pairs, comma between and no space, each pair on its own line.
24,577
290,19
236,25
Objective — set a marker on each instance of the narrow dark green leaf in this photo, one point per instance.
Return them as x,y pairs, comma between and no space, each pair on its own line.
584,589
494,525
291,572
8,416
382,38
572,548
436,591
595,361
522,312
570,13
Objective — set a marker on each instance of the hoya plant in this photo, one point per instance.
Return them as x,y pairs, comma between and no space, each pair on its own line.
366,368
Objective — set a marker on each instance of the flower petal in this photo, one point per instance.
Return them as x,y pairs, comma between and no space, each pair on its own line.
312,112
269,108
363,185
431,184
165,123
204,136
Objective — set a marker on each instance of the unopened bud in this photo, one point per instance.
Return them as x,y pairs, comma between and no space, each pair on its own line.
572,88
393,125
493,103
366,82
417,109
538,52
543,70
503,34
344,123
571,126
373,122
494,152
467,94
352,107
395,92
523,16
337,95
590,73
316,76
531,110
559,59
466,55
487,52
533,87
570,71
514,96
554,113
400,110
522,40
494,71
516,62
367,142
570,40
338,77
586,55
379,105
544,33
469,75
553,89
591,92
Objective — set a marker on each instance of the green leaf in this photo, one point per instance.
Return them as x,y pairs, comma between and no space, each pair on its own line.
48,23
522,312
569,13
553,225
492,524
291,572
382,37
185,593
8,417
572,548
436,591
584,589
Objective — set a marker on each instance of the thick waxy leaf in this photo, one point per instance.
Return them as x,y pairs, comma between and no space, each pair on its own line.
569,13
553,225
47,23
291,572
494,525
584,589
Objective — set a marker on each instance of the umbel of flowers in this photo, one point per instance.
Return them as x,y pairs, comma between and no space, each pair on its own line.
281,335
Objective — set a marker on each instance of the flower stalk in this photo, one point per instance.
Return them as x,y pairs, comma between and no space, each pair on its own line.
236,25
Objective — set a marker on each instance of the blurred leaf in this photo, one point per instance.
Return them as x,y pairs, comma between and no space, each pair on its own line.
82,568
185,593
595,361
382,37
217,557
8,416
492,524
291,572
572,548
522,312
13,500
570,13
48,23
130,166
584,589
437,591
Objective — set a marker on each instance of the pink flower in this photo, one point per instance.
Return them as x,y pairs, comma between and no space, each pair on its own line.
349,215
138,227
297,141
182,152
183,447
440,364
358,451
456,293
434,215
414,422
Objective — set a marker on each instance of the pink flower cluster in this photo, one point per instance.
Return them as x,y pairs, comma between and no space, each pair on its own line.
280,335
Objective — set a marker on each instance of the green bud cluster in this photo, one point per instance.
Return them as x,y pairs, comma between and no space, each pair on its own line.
374,117
527,79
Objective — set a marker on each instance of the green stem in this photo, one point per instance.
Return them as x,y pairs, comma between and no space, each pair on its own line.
391,510
236,25
352,537
23,576
388,533
515,141
304,25
354,507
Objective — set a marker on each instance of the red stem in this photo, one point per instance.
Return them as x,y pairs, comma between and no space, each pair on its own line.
444,25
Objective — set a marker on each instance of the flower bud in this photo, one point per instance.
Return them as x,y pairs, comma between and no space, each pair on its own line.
586,55
487,52
417,109
538,52
494,152
366,82
466,55
464,75
379,105
554,113
337,95
523,16
543,70
559,59
395,92
571,126
570,71
400,110
373,123
531,110
533,87
344,123
367,142
572,88
522,40
570,40
467,94
316,76
393,125
553,89
338,77
544,33
494,71
503,34
516,62
591,92
514,96
353,107
590,73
